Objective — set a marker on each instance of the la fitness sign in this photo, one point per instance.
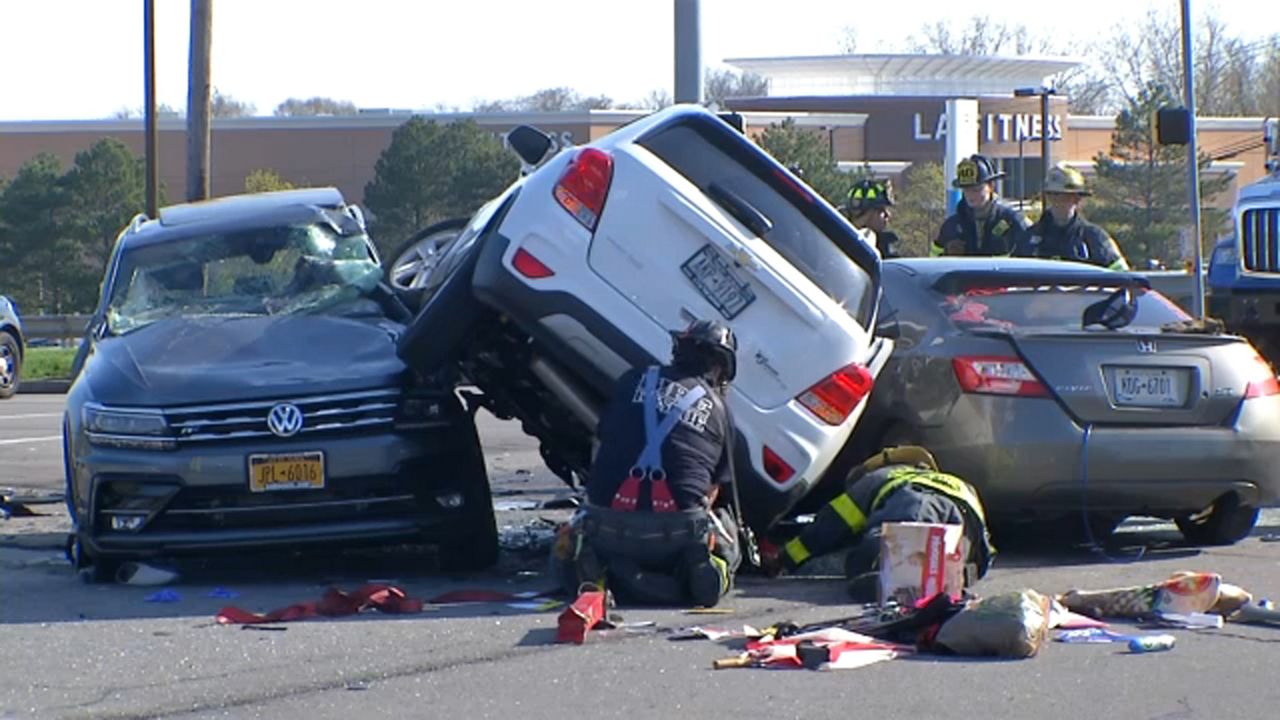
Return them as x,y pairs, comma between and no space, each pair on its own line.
995,127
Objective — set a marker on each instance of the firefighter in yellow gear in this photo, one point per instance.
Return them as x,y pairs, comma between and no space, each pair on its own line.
901,484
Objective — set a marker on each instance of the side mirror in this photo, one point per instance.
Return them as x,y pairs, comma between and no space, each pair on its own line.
889,329
529,143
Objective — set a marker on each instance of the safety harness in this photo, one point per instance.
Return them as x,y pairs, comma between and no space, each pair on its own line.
648,466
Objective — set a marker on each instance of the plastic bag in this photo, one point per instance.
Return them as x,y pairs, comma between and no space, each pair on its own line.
1012,624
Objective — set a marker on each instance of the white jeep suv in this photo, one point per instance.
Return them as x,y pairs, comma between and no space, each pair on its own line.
583,267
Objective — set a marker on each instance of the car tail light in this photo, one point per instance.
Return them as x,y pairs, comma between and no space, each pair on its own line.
838,394
529,266
1264,382
997,376
776,467
584,186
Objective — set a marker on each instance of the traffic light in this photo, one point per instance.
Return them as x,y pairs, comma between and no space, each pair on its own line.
1173,126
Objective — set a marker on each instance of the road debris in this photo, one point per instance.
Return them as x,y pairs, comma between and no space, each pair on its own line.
335,603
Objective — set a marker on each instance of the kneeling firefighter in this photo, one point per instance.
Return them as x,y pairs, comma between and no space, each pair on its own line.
901,484
660,524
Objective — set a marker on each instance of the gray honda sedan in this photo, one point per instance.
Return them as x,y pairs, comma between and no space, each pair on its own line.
1058,388
241,390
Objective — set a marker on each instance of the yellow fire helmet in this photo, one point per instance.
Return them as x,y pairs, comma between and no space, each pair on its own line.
1065,180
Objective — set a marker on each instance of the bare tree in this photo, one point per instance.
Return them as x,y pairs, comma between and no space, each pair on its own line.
225,106
296,107
981,35
720,85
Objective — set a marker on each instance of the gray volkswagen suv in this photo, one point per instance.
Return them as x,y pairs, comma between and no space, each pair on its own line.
241,389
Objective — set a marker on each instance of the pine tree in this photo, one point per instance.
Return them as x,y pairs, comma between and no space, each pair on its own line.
1141,187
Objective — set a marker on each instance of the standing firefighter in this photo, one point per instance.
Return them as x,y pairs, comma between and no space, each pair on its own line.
657,527
899,484
982,223
867,208
1062,233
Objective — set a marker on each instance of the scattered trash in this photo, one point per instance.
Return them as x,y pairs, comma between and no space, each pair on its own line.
528,538
585,613
136,573
163,596
567,503
268,628
1184,592
1012,624
1256,614
224,593
919,560
1060,617
1151,643
699,632
510,505
709,611
1190,621
830,648
334,603
1090,635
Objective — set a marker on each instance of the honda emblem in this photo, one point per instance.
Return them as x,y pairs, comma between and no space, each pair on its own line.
1146,346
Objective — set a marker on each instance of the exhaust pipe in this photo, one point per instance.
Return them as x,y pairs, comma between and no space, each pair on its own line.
567,391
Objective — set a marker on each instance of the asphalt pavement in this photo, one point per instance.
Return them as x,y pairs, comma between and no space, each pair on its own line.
70,650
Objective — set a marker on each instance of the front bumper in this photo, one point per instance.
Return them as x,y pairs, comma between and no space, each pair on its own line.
378,488
1025,457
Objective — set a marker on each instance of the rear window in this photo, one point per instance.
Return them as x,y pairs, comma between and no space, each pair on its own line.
809,235
1048,307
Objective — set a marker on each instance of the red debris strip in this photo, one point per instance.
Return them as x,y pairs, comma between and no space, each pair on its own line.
335,603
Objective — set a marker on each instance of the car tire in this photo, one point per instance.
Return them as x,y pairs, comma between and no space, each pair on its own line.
473,542
437,335
415,258
1225,522
10,365
92,570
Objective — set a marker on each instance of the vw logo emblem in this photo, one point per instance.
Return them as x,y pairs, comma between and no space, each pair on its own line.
284,420
1146,346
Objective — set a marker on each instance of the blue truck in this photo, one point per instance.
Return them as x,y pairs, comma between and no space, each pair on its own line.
1243,282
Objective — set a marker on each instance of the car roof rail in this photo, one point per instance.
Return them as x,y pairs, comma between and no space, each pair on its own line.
137,221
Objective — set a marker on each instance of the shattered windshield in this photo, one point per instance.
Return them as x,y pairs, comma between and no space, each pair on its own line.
278,270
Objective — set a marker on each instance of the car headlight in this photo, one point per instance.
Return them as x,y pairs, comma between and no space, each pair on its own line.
141,429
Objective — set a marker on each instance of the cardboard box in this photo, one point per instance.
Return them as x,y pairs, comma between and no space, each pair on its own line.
919,560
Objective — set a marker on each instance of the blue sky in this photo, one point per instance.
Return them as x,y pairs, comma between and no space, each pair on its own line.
74,59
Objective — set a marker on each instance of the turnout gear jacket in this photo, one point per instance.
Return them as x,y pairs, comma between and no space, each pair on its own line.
1078,240
888,244
845,519
695,455
965,234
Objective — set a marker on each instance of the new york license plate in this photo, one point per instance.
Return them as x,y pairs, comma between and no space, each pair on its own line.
286,471
1150,387
716,280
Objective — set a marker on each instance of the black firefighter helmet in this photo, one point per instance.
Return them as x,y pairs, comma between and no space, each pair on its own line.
707,341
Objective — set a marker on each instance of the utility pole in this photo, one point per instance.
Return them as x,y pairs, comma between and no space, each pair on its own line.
1193,162
688,51
149,94
198,100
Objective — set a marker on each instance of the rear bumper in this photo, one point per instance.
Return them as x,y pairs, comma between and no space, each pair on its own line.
1025,457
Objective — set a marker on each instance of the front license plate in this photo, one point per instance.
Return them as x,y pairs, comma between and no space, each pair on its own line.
1151,387
286,471
711,274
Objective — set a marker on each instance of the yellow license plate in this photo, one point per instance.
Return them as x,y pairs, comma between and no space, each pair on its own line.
286,471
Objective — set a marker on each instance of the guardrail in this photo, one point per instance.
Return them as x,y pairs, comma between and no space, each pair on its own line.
54,327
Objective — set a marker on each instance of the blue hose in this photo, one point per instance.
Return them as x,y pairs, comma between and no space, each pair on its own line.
1094,545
